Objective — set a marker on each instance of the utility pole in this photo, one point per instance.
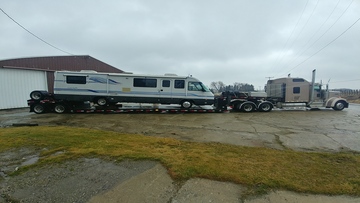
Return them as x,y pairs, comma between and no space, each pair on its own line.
269,78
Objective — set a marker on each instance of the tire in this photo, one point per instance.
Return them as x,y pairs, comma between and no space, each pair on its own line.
39,108
339,106
186,104
60,108
247,107
36,95
101,101
265,107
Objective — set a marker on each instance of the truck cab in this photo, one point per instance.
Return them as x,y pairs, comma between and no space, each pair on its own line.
297,92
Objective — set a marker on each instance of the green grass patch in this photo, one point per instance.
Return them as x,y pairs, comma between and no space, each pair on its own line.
326,173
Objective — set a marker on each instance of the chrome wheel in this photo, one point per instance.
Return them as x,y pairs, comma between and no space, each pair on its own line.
265,107
101,101
186,104
38,108
35,95
339,106
59,108
247,107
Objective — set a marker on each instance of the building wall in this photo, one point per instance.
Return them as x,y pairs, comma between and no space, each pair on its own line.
17,84
22,75
57,63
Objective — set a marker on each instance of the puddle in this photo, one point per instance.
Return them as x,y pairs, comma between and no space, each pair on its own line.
30,160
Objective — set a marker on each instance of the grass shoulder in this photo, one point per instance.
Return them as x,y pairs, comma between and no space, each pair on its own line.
321,173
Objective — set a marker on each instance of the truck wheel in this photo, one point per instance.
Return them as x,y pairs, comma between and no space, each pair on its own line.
265,107
101,101
339,105
39,108
36,95
247,107
186,104
59,108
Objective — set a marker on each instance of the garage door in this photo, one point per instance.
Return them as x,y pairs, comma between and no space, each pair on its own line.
16,85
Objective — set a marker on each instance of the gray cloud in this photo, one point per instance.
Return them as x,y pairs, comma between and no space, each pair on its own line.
231,41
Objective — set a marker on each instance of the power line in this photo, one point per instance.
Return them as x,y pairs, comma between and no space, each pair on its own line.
319,28
287,41
302,29
34,34
326,45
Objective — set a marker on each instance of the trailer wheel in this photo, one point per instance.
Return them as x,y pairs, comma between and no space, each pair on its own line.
39,108
247,107
59,108
101,101
339,105
186,104
265,107
36,95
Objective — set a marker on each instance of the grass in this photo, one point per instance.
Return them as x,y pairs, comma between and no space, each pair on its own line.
258,168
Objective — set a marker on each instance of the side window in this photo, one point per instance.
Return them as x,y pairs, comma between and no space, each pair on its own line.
166,83
179,84
76,79
296,90
144,82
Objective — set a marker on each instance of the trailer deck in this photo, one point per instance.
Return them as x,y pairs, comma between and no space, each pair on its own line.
50,105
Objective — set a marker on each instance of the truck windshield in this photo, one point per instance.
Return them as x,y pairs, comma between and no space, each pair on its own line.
197,86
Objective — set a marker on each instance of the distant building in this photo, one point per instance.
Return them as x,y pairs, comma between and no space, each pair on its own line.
18,77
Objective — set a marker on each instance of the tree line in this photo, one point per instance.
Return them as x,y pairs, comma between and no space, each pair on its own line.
348,92
219,86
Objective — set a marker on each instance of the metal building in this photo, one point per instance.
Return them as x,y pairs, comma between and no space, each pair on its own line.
18,77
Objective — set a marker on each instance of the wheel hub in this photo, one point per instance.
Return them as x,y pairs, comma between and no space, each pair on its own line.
186,104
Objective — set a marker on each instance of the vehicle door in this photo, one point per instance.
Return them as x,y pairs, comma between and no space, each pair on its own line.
165,89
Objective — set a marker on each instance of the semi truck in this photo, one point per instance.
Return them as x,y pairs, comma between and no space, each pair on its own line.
287,92
77,91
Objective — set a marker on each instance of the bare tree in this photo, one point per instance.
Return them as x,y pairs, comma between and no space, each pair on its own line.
217,86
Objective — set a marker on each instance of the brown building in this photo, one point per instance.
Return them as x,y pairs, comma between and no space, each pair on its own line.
18,77
57,63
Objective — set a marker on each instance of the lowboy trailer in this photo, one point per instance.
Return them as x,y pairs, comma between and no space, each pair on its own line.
279,93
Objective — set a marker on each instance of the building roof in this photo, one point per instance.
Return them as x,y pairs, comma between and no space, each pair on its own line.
57,63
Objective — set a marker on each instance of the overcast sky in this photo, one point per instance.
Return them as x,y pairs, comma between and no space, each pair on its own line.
228,40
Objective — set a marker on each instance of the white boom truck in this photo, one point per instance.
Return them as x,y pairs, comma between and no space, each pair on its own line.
289,92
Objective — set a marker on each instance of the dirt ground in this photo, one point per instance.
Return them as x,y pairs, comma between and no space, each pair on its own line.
95,180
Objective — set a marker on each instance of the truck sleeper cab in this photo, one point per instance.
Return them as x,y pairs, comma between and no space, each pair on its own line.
292,92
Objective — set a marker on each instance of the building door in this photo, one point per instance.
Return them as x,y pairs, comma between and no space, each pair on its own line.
17,84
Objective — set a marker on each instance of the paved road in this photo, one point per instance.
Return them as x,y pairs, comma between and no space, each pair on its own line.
324,130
